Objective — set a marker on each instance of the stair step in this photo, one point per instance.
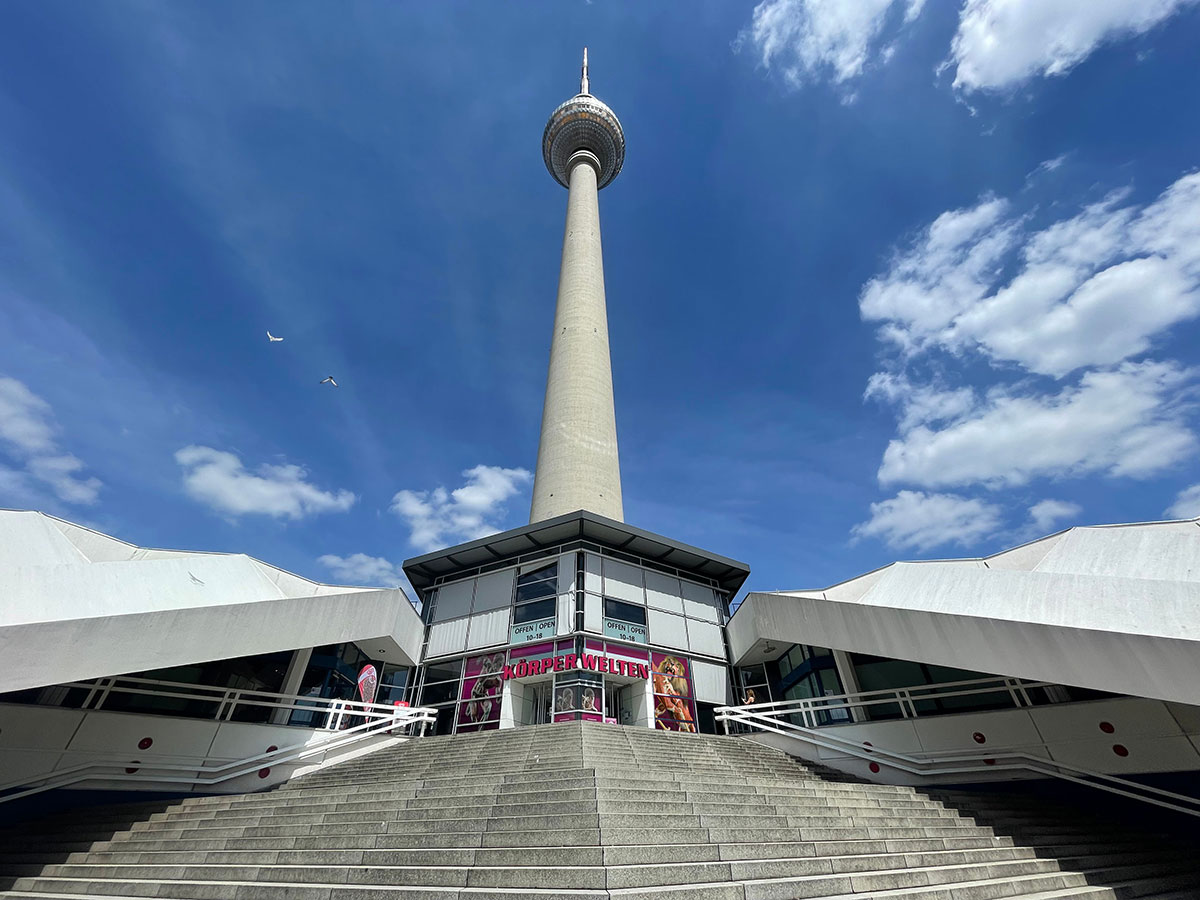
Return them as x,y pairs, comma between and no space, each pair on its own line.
595,811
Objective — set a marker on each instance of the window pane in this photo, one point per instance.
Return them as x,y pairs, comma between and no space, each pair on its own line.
796,657
439,693
545,572
753,675
532,612
801,690
625,612
536,590
443,671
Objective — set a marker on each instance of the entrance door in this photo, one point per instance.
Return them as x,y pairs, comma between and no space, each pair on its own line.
618,700
539,696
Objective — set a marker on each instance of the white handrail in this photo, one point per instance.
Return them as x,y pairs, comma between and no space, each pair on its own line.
944,764
226,699
393,718
906,699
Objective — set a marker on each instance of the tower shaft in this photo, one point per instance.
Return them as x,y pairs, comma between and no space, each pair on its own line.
577,463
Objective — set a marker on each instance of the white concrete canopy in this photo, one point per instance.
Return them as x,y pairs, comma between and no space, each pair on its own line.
78,604
1113,608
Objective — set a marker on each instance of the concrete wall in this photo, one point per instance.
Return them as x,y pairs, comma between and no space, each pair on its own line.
1122,635
36,741
1155,737
54,652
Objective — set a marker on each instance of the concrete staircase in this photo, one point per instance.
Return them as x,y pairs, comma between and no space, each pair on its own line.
592,811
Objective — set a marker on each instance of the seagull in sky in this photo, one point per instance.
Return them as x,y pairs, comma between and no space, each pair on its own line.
272,338
328,379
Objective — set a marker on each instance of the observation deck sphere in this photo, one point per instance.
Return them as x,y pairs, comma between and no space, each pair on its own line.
583,123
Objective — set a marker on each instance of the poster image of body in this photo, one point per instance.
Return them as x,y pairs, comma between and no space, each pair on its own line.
481,693
589,700
564,699
673,710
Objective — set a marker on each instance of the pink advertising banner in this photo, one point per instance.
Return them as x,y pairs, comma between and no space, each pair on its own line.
673,706
479,708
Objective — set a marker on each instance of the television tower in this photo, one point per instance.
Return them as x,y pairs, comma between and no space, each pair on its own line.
577,464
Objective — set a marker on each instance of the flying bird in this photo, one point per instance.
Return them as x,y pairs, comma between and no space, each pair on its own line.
272,338
328,379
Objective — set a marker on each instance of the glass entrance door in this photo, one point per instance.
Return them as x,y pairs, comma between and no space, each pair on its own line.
540,698
618,703
612,699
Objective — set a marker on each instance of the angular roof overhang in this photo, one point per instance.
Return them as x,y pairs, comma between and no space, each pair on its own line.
77,604
1113,608
423,571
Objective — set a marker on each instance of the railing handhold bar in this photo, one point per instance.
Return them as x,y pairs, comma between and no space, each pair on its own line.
275,757
929,765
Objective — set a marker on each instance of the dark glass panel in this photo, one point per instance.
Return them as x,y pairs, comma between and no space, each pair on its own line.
545,572
444,671
625,612
535,591
439,693
533,612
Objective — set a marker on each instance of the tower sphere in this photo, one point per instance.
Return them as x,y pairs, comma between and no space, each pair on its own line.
583,123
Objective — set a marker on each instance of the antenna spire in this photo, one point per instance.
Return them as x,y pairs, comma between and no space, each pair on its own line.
583,81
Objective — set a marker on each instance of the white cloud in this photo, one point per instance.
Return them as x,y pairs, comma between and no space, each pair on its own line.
1186,505
1122,422
1044,514
25,419
949,270
998,46
360,569
439,518
920,404
1090,290
28,430
811,39
1053,164
1002,43
219,480
914,519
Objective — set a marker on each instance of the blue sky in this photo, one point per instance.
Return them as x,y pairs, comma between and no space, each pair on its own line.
888,279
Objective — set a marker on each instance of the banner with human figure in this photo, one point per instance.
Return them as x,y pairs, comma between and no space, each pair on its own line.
673,708
479,706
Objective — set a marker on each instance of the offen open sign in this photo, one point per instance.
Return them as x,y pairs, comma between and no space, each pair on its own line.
575,661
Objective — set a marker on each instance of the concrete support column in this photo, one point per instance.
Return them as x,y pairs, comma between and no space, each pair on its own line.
849,679
510,697
291,682
577,463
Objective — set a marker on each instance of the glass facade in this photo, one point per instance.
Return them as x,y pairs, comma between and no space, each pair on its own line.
613,608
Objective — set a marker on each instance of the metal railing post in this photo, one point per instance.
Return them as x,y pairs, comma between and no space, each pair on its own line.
104,693
91,693
1022,692
1016,700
